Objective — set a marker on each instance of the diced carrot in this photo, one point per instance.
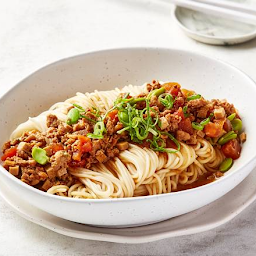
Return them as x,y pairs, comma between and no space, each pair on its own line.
56,147
113,114
10,152
85,144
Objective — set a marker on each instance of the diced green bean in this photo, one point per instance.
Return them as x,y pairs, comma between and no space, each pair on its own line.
73,116
226,165
227,137
237,124
39,155
123,117
231,117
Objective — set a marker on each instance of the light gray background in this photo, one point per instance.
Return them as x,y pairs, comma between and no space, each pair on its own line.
34,33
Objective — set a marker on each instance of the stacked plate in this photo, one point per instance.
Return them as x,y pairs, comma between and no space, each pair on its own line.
214,30
206,218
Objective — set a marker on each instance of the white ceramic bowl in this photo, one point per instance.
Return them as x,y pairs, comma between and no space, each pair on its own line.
105,70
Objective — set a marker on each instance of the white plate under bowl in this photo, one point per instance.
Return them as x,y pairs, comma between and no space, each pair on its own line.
206,218
211,29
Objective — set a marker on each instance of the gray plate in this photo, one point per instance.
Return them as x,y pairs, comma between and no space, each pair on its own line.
213,30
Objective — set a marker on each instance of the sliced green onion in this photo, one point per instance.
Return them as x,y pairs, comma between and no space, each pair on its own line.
197,126
141,134
156,92
174,140
227,137
96,112
99,129
237,124
166,100
135,122
126,95
200,126
226,165
155,133
133,101
121,103
142,112
156,118
231,117
185,109
154,145
73,116
139,123
94,136
118,101
114,107
88,118
122,130
79,107
194,97
205,121
40,156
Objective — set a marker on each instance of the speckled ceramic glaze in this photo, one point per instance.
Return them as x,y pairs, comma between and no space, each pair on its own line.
105,70
214,30
203,219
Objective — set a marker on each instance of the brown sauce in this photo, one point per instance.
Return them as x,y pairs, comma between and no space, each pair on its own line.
202,180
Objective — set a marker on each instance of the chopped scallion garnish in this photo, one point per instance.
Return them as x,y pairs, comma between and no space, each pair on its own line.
200,126
99,129
166,100
185,109
88,118
194,97
79,107
197,126
156,92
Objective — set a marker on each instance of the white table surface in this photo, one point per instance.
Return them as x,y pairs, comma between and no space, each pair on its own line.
34,33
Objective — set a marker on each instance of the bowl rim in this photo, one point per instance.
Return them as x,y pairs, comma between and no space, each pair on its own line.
251,83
